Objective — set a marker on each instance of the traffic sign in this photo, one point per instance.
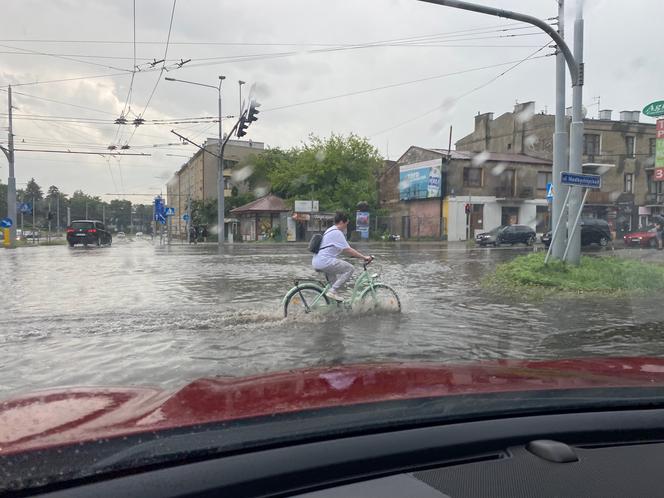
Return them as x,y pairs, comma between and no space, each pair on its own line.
169,211
25,208
549,192
580,180
185,217
6,223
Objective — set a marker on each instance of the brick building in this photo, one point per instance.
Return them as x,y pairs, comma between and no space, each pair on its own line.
622,151
499,188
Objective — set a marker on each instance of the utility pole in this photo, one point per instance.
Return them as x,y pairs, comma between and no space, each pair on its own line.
576,142
575,66
58,214
560,142
68,216
103,214
11,181
220,182
34,210
49,220
86,210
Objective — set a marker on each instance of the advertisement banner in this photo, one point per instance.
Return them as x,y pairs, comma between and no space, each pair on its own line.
421,180
362,223
659,152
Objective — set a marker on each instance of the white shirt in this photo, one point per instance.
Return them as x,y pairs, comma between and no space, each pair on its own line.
332,244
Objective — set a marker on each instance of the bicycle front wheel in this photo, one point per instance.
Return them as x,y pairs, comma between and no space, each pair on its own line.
380,297
304,300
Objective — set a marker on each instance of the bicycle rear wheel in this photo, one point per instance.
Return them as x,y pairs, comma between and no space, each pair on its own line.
304,300
380,297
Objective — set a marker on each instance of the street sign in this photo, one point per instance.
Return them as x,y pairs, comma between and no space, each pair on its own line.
654,109
580,180
549,192
6,223
25,208
169,211
185,217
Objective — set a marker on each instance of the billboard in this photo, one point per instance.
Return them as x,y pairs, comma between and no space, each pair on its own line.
421,180
659,151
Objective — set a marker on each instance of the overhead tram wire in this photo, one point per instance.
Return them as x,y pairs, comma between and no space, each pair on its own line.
456,99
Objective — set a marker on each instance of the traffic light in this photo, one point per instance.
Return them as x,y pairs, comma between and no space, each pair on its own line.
247,118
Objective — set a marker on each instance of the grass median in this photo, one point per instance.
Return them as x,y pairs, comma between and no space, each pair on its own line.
594,275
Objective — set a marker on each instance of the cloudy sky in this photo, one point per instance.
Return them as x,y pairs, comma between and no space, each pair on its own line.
399,72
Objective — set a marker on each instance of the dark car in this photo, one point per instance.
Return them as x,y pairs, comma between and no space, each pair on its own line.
88,232
647,237
507,234
593,231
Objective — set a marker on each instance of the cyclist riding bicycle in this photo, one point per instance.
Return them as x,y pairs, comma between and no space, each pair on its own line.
326,260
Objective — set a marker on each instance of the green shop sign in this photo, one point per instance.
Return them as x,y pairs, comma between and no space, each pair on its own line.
654,109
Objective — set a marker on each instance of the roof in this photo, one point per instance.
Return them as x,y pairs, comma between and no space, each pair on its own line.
269,203
492,156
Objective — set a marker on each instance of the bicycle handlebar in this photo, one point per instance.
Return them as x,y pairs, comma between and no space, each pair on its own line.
367,263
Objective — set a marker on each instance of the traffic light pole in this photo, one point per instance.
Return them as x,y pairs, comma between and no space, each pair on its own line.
575,66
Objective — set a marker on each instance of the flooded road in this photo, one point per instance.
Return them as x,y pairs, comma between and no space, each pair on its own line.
138,314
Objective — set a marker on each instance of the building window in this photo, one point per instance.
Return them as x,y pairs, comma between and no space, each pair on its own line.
543,177
652,147
590,145
629,146
628,182
472,177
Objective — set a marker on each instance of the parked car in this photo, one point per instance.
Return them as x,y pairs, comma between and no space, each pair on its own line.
507,234
88,232
593,231
647,237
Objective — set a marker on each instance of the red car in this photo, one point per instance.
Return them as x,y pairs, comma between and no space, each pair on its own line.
644,238
388,430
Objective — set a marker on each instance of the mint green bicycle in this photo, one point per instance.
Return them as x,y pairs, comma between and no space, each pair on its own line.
309,296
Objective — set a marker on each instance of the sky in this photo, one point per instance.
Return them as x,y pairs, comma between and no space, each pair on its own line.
399,72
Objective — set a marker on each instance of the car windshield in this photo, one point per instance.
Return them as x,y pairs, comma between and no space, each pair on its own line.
167,164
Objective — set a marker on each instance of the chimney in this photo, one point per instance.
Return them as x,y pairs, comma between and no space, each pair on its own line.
635,116
605,114
625,115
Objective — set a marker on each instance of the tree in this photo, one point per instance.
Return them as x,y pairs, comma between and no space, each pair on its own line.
119,214
85,206
33,191
338,171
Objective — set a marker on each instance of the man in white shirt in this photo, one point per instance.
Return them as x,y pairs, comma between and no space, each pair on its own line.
334,243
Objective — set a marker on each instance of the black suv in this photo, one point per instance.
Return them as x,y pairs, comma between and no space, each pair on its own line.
593,231
88,232
507,234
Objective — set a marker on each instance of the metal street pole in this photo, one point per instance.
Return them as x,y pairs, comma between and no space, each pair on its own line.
68,216
221,225
220,156
11,181
240,83
576,141
575,66
103,214
86,210
34,210
58,223
560,142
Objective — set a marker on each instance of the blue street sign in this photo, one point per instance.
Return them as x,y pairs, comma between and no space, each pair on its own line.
25,208
160,218
169,211
549,192
6,223
579,180
185,217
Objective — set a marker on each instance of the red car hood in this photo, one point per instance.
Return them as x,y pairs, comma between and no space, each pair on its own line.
66,416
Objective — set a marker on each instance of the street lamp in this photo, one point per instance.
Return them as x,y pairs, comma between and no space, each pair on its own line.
220,157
